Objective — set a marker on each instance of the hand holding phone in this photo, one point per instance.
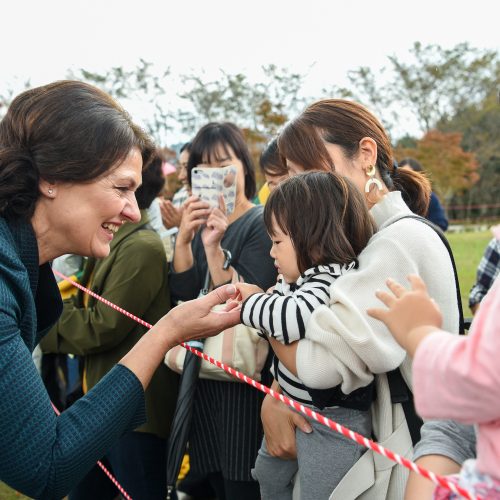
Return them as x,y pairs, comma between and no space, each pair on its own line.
210,183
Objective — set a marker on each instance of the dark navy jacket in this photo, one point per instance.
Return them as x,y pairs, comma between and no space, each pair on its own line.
44,456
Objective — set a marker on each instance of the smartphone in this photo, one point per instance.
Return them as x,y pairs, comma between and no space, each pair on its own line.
209,183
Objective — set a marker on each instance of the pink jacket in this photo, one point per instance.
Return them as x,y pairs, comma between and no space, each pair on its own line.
458,378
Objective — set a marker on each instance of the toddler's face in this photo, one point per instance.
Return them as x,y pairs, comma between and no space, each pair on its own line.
284,255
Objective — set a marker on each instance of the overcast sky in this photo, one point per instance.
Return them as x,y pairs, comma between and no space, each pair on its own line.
43,39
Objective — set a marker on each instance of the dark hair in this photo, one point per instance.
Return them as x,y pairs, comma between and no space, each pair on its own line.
270,161
412,163
325,216
345,123
67,131
214,135
185,147
153,182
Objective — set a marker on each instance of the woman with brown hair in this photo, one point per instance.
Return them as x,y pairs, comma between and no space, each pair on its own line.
71,160
343,136
319,224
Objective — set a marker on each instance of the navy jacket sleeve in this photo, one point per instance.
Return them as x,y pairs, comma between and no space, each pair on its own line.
436,212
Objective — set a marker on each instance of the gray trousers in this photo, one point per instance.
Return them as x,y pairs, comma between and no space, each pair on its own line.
323,458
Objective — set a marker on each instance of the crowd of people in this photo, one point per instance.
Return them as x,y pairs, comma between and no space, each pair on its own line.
318,263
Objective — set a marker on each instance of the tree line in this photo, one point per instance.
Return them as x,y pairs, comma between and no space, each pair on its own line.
452,93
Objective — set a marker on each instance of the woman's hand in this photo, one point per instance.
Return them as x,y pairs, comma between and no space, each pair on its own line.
195,213
246,289
195,319
170,214
191,320
280,423
411,314
216,226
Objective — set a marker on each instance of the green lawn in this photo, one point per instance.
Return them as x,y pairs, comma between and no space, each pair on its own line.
7,494
467,248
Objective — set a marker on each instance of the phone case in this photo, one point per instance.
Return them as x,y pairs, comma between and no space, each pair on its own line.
209,183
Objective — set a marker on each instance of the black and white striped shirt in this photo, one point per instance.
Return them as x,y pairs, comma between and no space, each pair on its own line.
284,315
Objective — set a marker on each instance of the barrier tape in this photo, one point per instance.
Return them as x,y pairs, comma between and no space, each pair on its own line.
354,436
104,469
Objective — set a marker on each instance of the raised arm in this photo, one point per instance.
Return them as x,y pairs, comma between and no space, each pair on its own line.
285,317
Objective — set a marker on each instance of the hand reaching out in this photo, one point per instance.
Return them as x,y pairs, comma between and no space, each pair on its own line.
408,311
246,289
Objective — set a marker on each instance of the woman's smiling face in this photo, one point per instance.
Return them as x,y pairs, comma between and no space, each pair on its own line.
85,216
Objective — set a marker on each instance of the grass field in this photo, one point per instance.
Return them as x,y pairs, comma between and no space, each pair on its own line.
467,248
7,494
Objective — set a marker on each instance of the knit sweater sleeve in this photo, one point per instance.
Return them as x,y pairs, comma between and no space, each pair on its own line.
343,345
285,317
44,456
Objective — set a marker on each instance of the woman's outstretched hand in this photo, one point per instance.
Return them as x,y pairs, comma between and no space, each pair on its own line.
195,319
191,320
410,314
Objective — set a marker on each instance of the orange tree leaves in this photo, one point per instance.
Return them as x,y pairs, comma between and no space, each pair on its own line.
451,169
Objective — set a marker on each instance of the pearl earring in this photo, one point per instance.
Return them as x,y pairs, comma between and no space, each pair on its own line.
50,191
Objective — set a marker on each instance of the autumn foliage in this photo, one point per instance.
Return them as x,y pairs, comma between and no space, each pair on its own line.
449,167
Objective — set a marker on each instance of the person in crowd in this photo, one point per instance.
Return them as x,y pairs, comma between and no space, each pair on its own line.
135,276
154,210
226,429
71,160
343,136
453,376
435,212
171,211
487,271
318,223
273,169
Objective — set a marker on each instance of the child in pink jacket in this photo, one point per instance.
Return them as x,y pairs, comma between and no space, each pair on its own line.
454,377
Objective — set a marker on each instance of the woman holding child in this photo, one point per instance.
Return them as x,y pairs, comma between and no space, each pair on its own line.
343,347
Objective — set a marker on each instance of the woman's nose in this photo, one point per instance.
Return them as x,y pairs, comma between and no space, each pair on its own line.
131,210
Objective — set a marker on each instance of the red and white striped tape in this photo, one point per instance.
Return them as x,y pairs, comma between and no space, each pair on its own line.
104,469
358,438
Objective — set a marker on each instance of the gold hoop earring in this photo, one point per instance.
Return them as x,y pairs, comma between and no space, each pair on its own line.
370,172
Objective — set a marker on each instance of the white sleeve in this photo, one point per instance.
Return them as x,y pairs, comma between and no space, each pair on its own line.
343,345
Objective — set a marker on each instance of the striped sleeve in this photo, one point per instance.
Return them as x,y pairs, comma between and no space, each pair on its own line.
285,317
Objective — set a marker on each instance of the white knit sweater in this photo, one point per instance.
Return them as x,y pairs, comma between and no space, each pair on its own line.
343,345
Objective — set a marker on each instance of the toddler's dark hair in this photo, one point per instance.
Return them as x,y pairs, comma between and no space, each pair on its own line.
325,216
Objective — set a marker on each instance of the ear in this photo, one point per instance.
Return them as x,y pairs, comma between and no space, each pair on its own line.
47,189
368,152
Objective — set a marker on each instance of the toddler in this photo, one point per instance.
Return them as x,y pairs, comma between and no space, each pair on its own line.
318,223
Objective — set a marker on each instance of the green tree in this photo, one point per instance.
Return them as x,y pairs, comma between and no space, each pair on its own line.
479,124
261,108
432,86
139,84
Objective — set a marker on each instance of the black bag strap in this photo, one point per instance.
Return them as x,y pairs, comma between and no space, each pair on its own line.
400,392
461,325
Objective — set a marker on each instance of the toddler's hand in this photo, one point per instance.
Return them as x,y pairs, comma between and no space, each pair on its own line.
407,309
246,289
